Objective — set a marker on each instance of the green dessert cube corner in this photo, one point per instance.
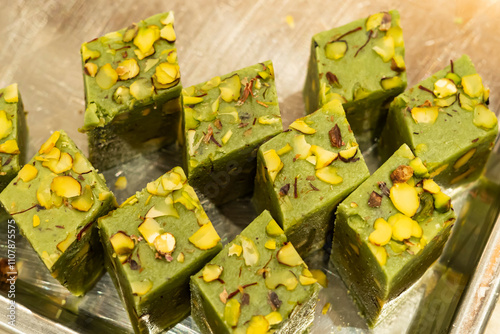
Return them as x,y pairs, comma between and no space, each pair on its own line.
362,65
257,284
154,242
303,173
132,91
55,200
445,120
13,134
225,120
389,231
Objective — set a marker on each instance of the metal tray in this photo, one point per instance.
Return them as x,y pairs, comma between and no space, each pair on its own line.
40,50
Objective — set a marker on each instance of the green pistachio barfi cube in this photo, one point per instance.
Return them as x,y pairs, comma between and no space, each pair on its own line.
55,200
154,242
446,121
302,175
257,284
225,121
389,231
362,65
13,134
132,91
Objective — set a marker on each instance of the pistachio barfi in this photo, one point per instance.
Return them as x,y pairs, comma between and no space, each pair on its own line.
13,134
389,231
446,121
132,91
225,121
257,284
302,175
362,65
154,242
55,200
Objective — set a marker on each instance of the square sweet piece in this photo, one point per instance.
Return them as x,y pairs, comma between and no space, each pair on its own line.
13,134
154,242
302,175
225,121
256,284
389,231
132,91
446,122
362,65
55,200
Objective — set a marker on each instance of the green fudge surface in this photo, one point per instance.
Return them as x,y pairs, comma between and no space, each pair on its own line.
225,121
13,134
302,175
55,200
451,129
362,65
257,283
413,220
154,242
132,90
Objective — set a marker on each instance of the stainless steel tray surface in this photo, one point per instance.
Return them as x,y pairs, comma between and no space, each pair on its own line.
40,42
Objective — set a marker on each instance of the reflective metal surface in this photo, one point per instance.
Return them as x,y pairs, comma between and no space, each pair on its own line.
40,42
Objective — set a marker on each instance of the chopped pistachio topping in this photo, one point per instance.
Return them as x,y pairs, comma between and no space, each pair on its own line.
28,173
165,243
382,234
58,166
323,157
391,83
122,244
405,198
285,277
85,201
91,69
141,89
336,50
384,47
145,38
211,272
397,35
374,21
212,83
473,85
329,175
484,117
66,186
168,33
89,54
205,238
287,255
36,220
128,69
285,149
250,251
425,114
235,249
106,76
149,229
302,126
431,186
140,288
444,87
273,163
232,312
5,125
9,147
230,88
167,73
442,202
274,318
301,148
